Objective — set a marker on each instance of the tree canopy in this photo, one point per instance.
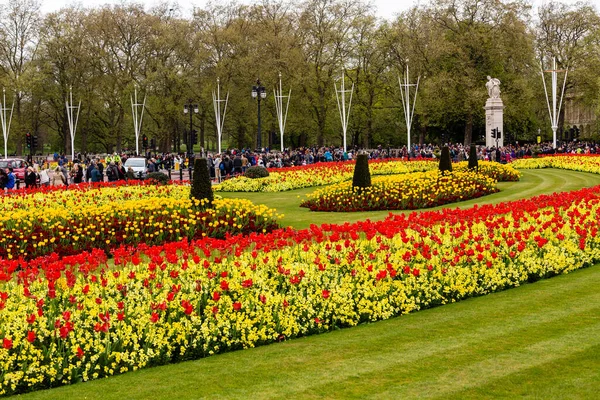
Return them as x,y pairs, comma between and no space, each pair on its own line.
103,53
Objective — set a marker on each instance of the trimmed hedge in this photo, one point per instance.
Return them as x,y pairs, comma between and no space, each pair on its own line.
362,174
158,178
473,163
201,185
256,171
445,160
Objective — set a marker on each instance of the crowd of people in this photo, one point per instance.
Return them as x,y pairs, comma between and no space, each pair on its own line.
92,168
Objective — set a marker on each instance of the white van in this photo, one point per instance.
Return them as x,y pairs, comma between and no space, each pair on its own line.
139,165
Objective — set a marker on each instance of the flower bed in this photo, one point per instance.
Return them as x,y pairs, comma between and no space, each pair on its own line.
69,221
284,179
402,192
574,162
496,171
81,317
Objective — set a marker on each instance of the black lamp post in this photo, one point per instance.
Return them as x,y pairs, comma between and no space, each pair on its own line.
190,108
258,93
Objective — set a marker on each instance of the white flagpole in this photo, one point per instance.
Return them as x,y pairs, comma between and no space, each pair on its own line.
220,118
405,97
554,112
278,93
344,114
137,117
5,123
72,121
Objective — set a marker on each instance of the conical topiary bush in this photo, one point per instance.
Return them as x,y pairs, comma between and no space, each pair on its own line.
201,187
445,160
473,164
362,174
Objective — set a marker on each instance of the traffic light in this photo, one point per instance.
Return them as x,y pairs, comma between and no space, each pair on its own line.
194,136
34,142
576,132
152,143
145,141
494,133
498,134
28,140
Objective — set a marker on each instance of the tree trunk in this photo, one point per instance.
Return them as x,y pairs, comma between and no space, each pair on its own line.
468,130
66,134
120,131
20,132
202,129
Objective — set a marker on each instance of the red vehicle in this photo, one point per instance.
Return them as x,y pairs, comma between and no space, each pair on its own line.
17,164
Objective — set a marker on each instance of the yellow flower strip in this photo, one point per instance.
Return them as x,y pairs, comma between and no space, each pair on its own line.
402,192
317,175
498,172
582,163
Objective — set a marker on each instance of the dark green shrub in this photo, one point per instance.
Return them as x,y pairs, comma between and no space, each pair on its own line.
362,174
256,172
158,178
201,186
445,160
473,163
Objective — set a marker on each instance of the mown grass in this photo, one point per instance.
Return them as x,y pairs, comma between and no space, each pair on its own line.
540,340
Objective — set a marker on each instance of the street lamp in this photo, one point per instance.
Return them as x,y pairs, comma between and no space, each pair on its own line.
258,92
190,108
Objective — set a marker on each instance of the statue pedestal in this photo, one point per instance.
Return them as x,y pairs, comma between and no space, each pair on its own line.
494,117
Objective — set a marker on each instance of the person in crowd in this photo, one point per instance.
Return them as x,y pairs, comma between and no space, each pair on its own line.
116,158
100,167
30,178
95,175
3,180
58,178
10,183
217,165
130,173
111,172
237,165
227,165
121,171
77,173
244,163
88,171
44,175
151,166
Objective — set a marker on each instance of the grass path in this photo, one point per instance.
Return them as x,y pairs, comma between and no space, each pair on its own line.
532,183
537,341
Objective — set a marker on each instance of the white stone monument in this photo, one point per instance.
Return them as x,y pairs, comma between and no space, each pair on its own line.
494,111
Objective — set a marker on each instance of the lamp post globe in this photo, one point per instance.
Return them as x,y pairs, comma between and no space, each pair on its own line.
258,93
190,108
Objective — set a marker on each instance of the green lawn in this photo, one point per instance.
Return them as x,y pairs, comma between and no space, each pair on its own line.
540,340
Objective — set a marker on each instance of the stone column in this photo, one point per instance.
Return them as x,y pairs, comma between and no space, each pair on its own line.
494,111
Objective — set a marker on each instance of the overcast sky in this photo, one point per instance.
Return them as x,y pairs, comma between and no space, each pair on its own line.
385,8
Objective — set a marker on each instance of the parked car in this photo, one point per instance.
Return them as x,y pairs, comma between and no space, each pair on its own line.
17,164
139,165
